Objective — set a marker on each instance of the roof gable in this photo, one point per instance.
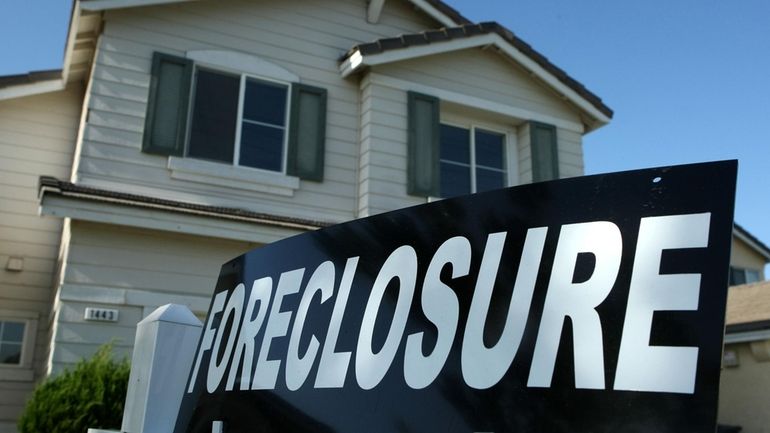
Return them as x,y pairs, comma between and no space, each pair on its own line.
410,46
753,243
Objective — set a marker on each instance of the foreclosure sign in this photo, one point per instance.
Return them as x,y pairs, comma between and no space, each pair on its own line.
593,304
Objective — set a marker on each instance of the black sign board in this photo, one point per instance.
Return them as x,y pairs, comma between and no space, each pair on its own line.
593,304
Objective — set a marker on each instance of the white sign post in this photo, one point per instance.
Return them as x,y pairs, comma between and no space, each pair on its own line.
163,352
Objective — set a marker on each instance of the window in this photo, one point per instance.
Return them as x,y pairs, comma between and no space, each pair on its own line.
11,342
471,160
239,119
445,160
743,276
234,109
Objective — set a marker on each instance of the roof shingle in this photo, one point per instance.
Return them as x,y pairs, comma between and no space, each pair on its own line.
748,303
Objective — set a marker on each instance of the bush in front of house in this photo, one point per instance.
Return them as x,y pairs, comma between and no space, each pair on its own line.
90,395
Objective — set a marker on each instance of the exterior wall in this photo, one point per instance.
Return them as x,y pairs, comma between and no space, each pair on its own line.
133,271
304,37
486,75
743,389
382,173
37,137
743,256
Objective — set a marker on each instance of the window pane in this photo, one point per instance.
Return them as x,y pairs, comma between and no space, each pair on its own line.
10,353
265,102
261,147
455,180
737,276
13,332
489,149
455,144
215,114
752,276
489,179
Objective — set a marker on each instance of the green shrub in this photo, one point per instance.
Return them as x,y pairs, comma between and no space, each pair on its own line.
91,395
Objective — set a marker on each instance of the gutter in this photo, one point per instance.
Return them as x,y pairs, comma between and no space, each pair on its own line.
747,332
50,186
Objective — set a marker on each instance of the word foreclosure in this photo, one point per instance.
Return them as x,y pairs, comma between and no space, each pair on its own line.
641,367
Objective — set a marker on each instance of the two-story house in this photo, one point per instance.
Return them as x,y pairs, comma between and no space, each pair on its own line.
179,134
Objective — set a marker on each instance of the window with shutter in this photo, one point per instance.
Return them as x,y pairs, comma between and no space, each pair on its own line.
235,118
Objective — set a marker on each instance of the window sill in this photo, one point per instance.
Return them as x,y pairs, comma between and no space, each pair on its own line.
195,170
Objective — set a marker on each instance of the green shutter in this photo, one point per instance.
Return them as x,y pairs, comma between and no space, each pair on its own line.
165,125
423,145
545,152
307,132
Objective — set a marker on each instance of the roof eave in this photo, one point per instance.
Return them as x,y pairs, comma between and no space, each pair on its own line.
50,186
31,88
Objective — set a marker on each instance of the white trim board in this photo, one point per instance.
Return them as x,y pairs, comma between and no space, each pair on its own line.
232,176
102,5
744,337
130,297
473,102
357,61
162,219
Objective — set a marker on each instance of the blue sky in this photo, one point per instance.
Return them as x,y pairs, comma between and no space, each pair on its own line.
689,80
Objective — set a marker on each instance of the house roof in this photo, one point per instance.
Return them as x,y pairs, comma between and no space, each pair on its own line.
86,21
30,78
357,55
748,307
744,235
51,186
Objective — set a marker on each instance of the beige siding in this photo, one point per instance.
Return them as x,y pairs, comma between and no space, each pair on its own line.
304,37
37,137
743,389
743,256
486,75
133,271
382,172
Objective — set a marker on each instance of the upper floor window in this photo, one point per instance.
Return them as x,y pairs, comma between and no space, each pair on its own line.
11,342
236,109
445,160
471,160
743,276
239,119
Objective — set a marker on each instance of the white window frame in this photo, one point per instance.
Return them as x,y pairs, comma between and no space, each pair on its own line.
510,150
23,371
243,76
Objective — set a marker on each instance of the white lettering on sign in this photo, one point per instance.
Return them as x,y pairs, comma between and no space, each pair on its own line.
642,367
233,341
578,301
